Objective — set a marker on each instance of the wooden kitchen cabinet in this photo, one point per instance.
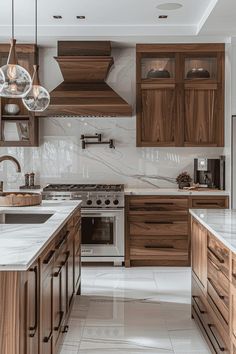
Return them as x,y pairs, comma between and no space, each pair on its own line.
21,129
180,94
35,304
199,253
157,231
32,309
213,304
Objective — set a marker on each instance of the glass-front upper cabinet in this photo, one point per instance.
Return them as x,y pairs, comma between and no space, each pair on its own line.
200,67
161,67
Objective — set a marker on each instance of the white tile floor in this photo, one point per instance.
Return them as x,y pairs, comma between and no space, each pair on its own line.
135,311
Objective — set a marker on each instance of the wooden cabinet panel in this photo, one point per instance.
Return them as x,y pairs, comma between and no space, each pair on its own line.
233,298
209,202
77,267
158,116
155,203
32,301
199,252
180,109
152,228
70,270
201,116
160,247
218,254
47,315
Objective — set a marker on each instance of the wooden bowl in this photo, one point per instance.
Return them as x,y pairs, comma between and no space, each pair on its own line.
20,199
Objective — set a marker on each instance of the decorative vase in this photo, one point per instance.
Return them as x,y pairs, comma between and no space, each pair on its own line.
184,184
158,74
198,73
12,109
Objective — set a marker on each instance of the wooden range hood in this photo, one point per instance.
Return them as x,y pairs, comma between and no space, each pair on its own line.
84,92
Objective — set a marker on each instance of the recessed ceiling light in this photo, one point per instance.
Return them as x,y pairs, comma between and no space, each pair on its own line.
163,17
169,6
81,17
57,17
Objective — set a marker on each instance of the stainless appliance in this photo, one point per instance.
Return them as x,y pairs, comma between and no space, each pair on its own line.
210,173
102,218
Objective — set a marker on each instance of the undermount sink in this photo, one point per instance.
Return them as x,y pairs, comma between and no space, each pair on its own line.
23,218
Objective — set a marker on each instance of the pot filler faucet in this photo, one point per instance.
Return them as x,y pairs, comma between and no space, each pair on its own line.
9,158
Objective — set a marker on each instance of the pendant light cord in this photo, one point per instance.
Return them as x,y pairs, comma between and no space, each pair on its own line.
36,22
12,19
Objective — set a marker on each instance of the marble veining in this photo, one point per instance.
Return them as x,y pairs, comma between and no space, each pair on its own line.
173,191
21,244
113,316
221,223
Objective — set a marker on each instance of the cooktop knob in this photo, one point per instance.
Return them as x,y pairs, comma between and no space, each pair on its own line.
107,202
89,202
99,202
116,202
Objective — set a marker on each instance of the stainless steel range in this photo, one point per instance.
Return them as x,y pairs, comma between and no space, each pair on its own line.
102,218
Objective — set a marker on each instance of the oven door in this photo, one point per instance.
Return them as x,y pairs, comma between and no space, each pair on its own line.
102,232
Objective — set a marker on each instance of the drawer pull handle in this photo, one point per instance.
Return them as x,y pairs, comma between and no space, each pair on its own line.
214,287
65,329
60,321
47,339
214,265
49,258
221,260
35,326
63,240
56,274
234,275
207,203
156,203
159,222
214,333
196,299
159,247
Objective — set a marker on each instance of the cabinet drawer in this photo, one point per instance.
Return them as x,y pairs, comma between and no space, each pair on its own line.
152,228
216,299
216,336
173,247
219,254
209,203
157,204
234,269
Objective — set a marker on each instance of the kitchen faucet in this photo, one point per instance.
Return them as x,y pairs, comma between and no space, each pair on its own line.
14,160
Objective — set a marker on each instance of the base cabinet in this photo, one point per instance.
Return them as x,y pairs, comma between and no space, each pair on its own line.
157,230
213,305
35,305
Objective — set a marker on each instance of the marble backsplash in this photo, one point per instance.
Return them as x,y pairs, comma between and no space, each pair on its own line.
60,158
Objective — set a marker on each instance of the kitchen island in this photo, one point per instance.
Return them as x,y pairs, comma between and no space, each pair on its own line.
39,275
213,244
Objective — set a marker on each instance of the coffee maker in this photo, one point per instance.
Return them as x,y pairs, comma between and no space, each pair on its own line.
210,173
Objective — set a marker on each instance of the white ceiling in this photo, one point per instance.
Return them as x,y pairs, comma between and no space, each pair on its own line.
122,20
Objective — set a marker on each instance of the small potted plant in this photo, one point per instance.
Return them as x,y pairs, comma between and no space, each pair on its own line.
183,180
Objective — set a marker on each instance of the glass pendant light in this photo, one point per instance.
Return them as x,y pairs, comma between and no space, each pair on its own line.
2,80
38,98
16,80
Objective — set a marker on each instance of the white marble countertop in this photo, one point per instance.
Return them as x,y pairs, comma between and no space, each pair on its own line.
221,223
21,244
173,191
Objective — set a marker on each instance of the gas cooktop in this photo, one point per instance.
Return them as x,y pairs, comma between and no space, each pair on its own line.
92,195
84,188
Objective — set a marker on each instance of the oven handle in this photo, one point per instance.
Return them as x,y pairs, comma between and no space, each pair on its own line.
101,213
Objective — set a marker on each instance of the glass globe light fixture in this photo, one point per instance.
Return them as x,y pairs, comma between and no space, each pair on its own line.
17,81
38,98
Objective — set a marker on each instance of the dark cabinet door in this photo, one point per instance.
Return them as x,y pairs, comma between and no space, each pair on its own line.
77,259
157,116
70,269
47,315
32,318
201,119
